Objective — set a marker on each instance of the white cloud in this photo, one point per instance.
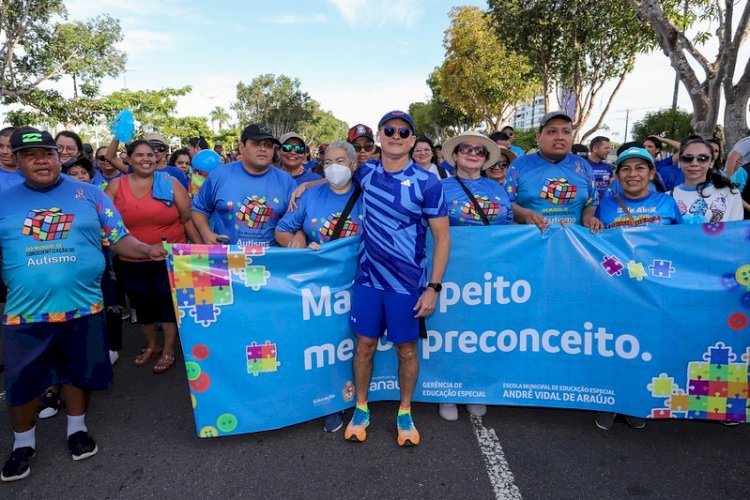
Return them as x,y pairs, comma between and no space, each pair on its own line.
137,42
378,13
288,19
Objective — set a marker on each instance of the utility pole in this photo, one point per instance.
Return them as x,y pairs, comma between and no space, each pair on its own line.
627,116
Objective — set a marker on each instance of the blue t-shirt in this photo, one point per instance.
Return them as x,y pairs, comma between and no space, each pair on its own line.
10,179
559,191
310,164
740,178
516,149
448,167
664,162
602,176
656,208
51,244
318,211
171,170
397,206
244,206
671,176
101,181
305,177
491,196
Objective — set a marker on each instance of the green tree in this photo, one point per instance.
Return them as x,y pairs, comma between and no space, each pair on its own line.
579,45
525,139
714,77
672,123
322,128
37,46
219,116
480,76
277,102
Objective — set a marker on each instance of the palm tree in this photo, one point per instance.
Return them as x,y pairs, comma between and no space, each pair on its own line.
219,115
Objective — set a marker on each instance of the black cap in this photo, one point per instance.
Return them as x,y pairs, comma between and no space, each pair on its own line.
552,115
80,161
257,132
30,137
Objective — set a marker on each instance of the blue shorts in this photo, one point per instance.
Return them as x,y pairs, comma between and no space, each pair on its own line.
375,310
76,350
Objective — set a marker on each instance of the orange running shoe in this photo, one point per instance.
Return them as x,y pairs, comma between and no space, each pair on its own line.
355,431
408,435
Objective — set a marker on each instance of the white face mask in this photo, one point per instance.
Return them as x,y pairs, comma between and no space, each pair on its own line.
337,174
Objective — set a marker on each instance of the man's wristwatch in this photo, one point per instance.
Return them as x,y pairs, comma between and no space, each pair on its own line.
435,286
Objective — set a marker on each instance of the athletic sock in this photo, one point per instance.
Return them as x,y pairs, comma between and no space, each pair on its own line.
404,410
362,406
76,424
24,439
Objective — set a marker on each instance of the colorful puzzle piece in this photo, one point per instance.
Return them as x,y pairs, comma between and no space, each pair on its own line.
698,370
662,385
612,265
719,354
256,277
636,270
661,268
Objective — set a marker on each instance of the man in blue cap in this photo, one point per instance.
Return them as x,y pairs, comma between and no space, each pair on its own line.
390,289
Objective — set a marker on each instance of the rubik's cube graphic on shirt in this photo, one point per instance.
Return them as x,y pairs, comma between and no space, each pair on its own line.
351,228
254,212
47,224
558,191
490,208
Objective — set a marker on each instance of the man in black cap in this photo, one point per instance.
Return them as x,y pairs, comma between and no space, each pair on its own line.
247,196
51,230
361,137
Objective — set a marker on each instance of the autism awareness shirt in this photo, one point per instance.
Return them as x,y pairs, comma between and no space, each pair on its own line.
602,176
305,176
10,179
101,181
716,205
559,191
244,206
654,209
318,211
397,206
491,196
51,242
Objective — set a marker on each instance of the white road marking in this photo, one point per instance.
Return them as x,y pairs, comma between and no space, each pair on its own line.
498,470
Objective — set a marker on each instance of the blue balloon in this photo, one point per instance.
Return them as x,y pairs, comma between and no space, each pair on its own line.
206,160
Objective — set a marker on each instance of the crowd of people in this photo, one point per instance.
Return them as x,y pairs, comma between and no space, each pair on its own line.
82,230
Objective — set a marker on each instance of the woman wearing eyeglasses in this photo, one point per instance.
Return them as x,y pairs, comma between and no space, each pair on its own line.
423,154
473,200
69,146
291,155
497,171
706,195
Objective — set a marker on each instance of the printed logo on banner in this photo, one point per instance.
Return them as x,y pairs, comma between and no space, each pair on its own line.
261,358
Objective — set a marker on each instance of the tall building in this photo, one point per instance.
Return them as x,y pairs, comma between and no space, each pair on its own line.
527,116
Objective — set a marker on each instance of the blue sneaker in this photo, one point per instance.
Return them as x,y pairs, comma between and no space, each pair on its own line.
407,433
334,422
355,431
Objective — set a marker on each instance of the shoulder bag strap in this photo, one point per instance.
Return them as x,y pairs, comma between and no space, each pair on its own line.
627,212
474,202
345,214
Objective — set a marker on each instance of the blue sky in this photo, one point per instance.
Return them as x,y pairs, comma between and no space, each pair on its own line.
358,58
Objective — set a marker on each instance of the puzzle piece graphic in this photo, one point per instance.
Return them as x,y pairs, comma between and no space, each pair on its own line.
716,407
219,277
261,358
222,295
205,314
718,389
662,385
202,295
738,389
698,388
746,355
254,366
254,351
719,354
612,265
661,268
184,297
237,261
636,270
183,279
255,250
678,403
737,409
256,277
657,413
698,370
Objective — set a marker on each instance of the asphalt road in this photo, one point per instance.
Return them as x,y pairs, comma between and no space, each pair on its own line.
148,448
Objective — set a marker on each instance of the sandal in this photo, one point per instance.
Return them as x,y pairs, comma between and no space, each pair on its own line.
146,355
165,363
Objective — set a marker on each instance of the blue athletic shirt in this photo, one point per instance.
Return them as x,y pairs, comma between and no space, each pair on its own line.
517,150
171,170
244,206
318,211
671,176
305,177
602,176
101,181
397,206
559,191
10,179
654,209
491,196
51,244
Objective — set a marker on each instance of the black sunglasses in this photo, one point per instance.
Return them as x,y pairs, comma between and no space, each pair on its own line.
403,132
697,158
477,150
101,158
160,149
367,148
288,148
502,165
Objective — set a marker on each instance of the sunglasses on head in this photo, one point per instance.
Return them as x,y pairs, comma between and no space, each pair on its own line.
366,148
697,158
477,150
403,132
501,165
288,148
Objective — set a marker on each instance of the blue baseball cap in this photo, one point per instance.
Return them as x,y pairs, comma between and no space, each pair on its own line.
397,115
635,152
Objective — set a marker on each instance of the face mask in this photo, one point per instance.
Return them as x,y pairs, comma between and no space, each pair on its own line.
338,175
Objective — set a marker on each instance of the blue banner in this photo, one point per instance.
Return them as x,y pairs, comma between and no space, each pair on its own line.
646,321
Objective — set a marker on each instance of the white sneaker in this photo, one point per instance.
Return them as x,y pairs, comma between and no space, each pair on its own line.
448,411
113,357
477,410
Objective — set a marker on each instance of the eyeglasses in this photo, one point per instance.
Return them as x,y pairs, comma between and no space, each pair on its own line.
101,158
697,158
477,150
403,132
67,149
288,148
367,147
501,165
160,149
